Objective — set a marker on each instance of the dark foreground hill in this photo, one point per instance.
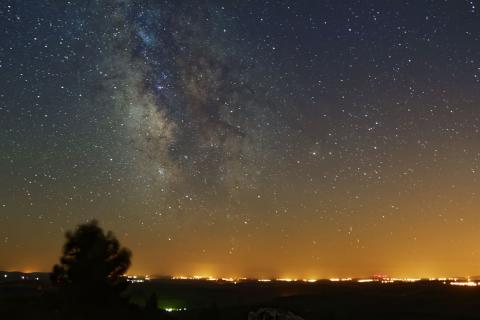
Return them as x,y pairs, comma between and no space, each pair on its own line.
35,299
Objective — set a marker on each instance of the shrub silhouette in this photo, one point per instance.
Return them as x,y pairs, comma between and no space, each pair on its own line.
92,265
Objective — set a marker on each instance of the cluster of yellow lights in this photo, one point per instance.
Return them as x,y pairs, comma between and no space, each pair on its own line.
200,278
365,280
137,279
235,280
385,280
392,280
465,284
461,282
340,279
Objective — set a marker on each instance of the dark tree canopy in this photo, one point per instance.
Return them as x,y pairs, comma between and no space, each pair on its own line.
92,263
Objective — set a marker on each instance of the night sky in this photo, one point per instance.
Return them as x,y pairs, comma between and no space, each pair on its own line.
244,138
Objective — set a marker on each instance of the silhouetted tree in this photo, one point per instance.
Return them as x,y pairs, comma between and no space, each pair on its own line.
92,265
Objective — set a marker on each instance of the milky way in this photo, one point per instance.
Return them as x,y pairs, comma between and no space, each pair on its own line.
214,137
196,115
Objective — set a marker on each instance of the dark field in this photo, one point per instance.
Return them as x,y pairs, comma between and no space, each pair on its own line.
321,300
22,299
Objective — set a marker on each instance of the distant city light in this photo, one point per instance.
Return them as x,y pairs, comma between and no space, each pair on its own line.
380,279
175,309
228,279
465,284
365,280
340,279
137,279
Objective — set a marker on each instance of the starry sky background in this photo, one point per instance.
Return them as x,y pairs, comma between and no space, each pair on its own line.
244,138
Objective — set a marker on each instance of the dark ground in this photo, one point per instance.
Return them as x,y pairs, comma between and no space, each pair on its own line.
28,299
